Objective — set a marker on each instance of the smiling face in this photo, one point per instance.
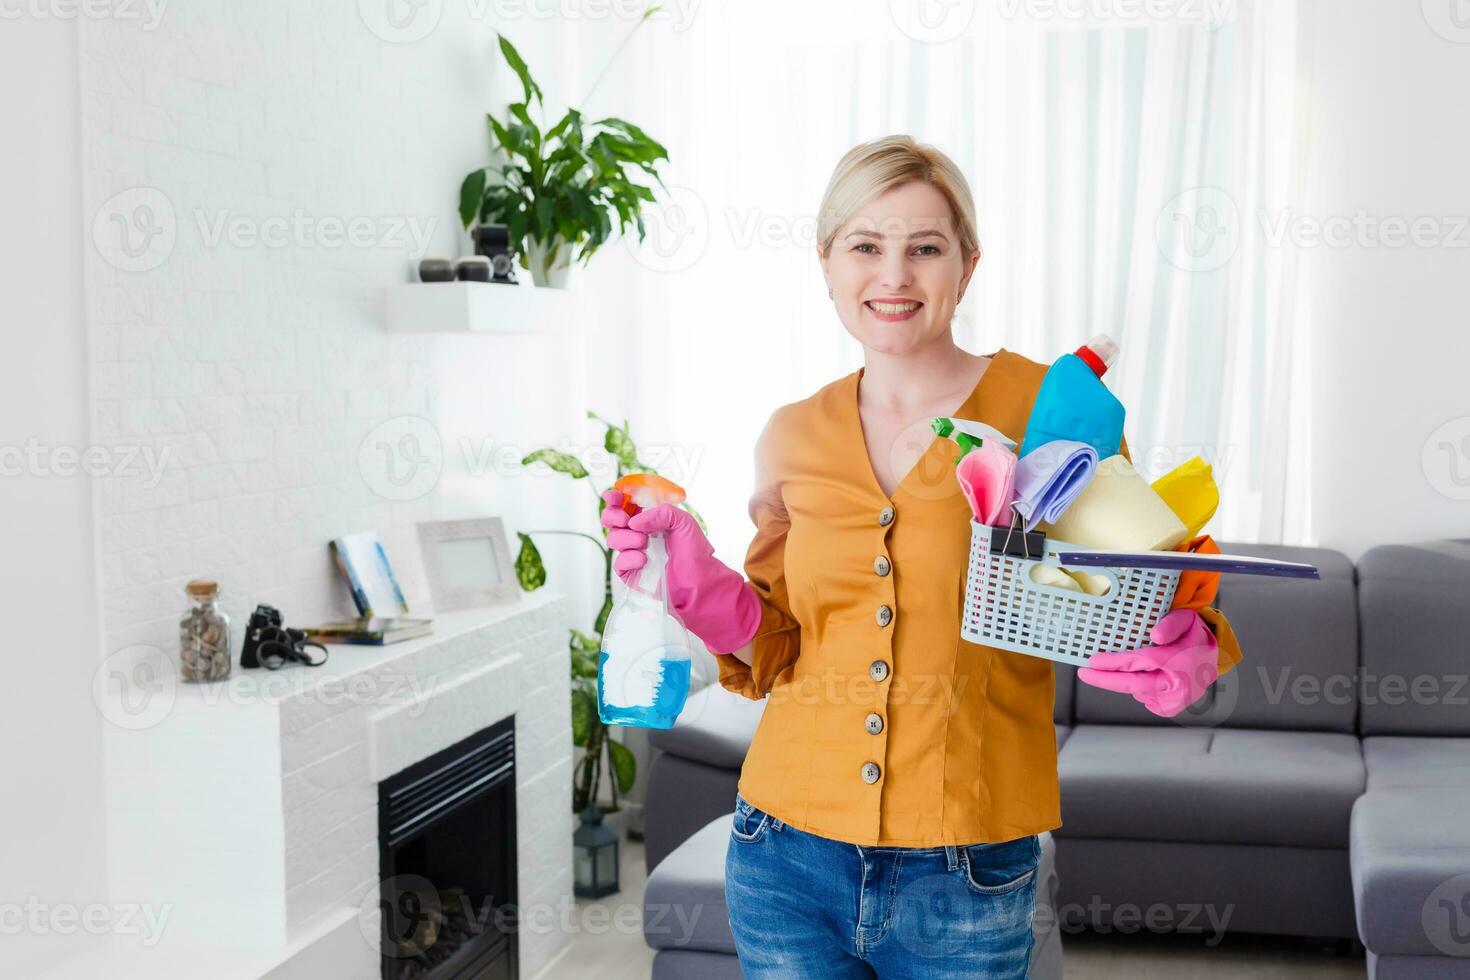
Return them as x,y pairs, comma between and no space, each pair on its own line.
896,269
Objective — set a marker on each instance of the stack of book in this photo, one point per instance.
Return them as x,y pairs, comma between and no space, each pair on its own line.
382,609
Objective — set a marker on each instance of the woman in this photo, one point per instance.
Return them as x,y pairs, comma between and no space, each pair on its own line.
888,809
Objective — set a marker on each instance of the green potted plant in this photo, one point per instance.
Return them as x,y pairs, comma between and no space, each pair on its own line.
564,191
588,732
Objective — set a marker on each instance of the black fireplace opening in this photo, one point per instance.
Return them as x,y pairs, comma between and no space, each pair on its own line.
447,860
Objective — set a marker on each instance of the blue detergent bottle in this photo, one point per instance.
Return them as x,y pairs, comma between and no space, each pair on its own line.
644,664
1074,404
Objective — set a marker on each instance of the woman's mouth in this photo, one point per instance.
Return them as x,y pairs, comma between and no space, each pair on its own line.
893,311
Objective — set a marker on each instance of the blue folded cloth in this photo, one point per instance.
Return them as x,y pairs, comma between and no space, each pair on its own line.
1050,477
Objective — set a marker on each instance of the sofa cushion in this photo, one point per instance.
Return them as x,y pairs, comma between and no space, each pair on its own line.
1410,862
1415,657
1227,786
1299,641
684,899
1397,762
1062,732
715,727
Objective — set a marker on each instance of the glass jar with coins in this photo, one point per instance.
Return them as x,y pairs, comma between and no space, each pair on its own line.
204,635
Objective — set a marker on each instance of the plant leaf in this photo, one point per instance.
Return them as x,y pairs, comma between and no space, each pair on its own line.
471,193
584,710
624,764
530,572
518,65
561,462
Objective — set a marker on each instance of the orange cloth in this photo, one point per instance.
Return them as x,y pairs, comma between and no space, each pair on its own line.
859,646
1197,590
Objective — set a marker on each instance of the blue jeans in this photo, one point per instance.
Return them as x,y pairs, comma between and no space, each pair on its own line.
807,906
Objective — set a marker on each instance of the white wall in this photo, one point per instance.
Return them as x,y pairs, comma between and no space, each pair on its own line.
51,834
1386,102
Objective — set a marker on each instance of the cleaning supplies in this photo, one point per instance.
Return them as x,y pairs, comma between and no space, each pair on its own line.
1074,404
1050,478
643,667
987,475
969,434
1189,490
1118,511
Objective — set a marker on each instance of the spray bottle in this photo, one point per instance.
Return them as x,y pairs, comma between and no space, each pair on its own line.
643,666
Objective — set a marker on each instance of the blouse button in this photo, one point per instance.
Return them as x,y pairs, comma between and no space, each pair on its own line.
878,670
884,615
881,565
885,517
871,772
874,723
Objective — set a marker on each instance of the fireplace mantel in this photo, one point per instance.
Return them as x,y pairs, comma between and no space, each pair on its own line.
249,807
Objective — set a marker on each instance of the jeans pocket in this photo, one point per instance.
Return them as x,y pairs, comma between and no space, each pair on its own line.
999,869
749,823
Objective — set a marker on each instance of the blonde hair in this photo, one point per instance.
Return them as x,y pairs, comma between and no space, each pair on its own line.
876,167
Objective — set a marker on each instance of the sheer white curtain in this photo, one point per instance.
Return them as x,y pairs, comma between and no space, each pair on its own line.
1121,169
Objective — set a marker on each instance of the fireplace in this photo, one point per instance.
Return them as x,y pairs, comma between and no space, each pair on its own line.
447,861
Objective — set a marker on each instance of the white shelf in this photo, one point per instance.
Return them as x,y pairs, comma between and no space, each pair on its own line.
479,307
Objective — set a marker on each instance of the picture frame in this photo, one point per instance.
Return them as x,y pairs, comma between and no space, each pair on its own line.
468,563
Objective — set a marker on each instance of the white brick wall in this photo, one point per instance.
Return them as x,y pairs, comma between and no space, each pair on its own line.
249,358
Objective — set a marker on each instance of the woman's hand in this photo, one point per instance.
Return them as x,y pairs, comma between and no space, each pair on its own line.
1167,677
710,598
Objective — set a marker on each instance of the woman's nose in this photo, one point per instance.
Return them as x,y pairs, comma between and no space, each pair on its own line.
896,273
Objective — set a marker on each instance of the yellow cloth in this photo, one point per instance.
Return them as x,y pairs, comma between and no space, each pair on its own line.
966,752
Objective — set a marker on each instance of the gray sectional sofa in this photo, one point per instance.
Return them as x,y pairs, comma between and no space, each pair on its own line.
1320,789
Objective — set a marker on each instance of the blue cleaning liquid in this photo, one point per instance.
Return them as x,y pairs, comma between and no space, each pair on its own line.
670,692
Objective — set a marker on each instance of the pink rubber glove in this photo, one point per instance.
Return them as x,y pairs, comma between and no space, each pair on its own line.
711,599
1167,677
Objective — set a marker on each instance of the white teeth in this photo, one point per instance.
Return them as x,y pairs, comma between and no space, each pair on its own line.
894,308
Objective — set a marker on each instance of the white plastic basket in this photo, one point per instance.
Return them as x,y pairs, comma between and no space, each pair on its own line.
1006,609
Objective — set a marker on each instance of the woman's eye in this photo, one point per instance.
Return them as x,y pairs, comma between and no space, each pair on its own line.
931,249
862,245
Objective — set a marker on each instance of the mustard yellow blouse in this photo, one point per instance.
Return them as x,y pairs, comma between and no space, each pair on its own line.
884,727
